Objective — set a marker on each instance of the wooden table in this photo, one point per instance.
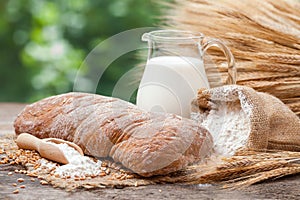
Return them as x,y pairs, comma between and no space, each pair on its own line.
285,188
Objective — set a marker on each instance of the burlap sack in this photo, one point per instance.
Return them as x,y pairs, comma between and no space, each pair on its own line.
272,125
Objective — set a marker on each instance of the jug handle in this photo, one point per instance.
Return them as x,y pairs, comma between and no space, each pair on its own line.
232,72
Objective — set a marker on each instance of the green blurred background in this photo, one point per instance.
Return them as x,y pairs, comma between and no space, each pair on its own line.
44,42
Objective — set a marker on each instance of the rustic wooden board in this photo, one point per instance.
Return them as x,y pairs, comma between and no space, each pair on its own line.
287,188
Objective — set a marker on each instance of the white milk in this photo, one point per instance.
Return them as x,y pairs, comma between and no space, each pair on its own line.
170,83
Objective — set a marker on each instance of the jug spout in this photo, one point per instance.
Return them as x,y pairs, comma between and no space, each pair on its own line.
145,37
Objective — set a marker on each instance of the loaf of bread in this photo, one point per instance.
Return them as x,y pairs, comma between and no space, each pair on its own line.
148,143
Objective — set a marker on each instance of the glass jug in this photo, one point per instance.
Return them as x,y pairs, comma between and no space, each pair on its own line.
174,71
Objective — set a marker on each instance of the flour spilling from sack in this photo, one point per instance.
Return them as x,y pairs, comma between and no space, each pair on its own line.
229,126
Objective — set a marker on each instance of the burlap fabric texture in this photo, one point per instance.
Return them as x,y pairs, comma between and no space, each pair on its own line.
272,124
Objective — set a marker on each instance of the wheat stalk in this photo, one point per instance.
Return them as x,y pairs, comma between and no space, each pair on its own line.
275,173
235,164
239,171
243,169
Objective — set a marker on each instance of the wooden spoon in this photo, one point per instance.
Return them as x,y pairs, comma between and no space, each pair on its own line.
45,149
59,141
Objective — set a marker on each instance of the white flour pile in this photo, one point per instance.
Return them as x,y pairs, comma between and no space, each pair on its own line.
78,167
229,127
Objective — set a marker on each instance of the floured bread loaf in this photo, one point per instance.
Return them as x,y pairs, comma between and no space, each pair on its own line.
145,142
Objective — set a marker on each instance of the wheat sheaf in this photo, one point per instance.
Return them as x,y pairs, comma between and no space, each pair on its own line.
243,169
264,37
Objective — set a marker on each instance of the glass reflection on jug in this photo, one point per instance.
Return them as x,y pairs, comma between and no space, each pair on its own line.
175,71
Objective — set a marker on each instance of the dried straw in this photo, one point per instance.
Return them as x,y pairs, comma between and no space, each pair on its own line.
243,169
264,37
275,173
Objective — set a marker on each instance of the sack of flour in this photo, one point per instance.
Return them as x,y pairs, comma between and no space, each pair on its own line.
240,117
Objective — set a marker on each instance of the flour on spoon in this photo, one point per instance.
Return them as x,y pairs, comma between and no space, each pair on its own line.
78,166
